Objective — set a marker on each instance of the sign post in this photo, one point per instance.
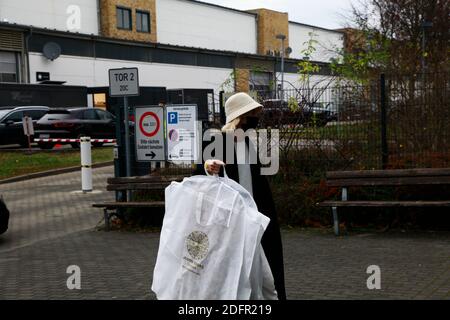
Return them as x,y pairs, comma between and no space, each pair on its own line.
124,82
28,129
149,134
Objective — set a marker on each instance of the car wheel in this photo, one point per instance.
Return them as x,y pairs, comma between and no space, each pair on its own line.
46,146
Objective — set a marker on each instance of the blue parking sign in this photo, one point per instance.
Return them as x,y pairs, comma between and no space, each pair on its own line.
173,117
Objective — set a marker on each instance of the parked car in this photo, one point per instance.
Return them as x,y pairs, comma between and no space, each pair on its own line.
4,216
319,113
74,123
11,128
277,112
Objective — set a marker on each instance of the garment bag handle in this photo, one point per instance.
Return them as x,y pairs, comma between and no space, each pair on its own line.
216,175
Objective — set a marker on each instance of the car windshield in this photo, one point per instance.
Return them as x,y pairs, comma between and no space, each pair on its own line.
3,113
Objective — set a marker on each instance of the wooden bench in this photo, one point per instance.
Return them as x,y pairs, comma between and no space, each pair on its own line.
373,178
130,184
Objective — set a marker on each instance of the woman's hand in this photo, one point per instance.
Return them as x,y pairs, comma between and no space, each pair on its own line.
212,166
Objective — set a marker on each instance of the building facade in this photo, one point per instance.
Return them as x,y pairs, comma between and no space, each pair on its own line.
174,43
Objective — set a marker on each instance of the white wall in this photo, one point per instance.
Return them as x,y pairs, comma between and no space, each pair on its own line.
328,42
52,14
293,80
197,25
94,72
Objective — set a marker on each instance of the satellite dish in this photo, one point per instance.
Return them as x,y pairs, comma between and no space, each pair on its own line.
288,50
51,50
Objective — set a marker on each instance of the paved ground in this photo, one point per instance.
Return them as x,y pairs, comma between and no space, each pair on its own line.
53,228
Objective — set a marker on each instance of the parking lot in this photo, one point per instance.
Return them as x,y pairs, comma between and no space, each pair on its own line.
53,227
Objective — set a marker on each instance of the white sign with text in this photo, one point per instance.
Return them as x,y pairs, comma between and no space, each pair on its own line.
123,82
149,134
182,132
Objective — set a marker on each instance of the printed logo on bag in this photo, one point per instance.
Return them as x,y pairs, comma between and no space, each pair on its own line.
197,245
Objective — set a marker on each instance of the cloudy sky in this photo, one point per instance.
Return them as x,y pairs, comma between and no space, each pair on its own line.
323,13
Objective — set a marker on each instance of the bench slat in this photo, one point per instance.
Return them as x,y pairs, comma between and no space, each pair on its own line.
112,205
138,186
391,181
427,172
331,203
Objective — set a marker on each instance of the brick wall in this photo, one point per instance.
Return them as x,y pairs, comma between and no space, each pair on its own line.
270,24
242,80
109,16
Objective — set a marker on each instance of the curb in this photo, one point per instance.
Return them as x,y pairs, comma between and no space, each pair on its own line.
53,172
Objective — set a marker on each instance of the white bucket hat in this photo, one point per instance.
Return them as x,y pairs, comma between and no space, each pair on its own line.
238,104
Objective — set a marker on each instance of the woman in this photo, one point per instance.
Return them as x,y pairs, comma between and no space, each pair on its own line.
242,112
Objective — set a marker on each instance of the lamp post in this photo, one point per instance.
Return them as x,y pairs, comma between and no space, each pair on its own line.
282,37
424,25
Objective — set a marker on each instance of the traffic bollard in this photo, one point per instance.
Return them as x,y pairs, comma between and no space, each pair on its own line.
86,164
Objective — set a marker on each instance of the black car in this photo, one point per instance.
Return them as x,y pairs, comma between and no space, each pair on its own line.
74,123
319,113
276,113
11,127
4,216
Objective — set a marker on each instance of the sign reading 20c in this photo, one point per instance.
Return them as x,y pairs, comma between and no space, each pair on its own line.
123,82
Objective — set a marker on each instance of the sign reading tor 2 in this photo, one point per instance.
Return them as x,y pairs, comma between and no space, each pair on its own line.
123,82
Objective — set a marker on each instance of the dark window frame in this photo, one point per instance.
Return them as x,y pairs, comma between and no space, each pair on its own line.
14,116
130,12
104,114
141,13
16,74
89,111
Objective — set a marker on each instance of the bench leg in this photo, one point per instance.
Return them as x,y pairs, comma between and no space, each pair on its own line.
107,216
335,221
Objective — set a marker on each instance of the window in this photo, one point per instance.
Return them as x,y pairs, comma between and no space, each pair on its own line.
104,115
123,18
90,115
260,81
35,114
142,21
100,100
8,67
15,116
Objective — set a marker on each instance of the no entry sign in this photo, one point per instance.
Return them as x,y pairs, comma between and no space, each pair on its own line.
149,124
149,133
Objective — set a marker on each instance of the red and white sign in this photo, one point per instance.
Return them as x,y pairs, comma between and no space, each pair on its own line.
149,124
149,134
28,128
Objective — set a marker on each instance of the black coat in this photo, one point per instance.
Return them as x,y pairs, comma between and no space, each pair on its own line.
271,240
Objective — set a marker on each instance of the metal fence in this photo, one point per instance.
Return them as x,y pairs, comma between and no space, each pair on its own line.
396,122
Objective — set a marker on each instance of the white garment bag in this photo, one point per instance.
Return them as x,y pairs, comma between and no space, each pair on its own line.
210,244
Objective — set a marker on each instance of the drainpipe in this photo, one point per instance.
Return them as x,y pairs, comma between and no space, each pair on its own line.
27,54
99,18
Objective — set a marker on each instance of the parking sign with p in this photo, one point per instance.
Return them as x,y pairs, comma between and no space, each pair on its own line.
172,117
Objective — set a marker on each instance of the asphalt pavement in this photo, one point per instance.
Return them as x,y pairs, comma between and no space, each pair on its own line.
54,227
